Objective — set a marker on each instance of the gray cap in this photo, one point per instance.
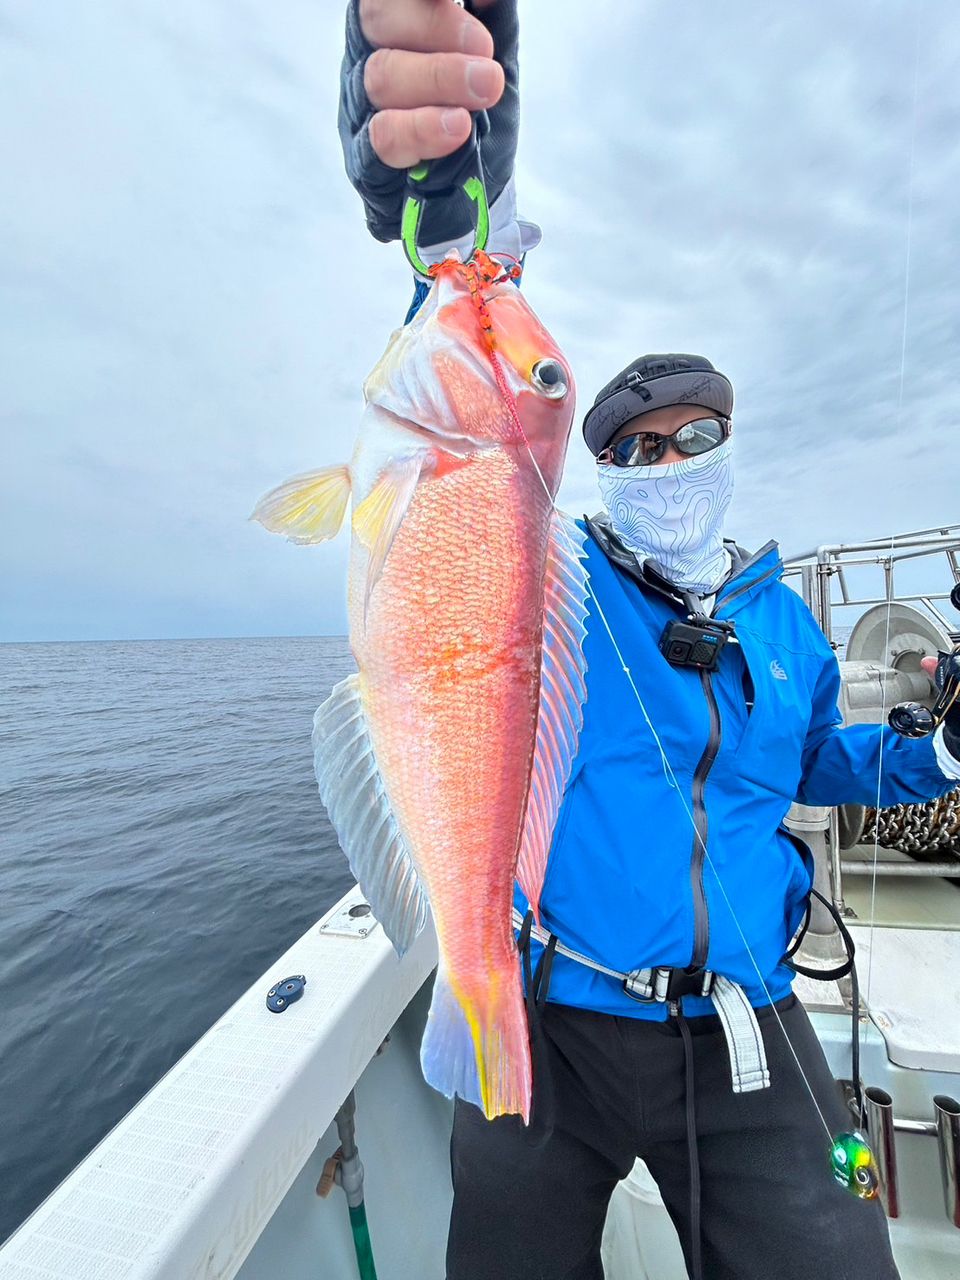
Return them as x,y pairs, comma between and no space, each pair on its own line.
653,382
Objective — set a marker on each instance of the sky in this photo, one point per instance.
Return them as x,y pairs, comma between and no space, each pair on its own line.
189,299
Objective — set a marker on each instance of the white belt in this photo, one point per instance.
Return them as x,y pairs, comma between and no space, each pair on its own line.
748,1057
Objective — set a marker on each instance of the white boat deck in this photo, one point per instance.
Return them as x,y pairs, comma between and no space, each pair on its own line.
213,1174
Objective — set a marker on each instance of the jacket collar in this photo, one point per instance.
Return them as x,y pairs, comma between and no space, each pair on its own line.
746,569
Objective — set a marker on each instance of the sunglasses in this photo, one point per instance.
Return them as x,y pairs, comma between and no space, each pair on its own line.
648,447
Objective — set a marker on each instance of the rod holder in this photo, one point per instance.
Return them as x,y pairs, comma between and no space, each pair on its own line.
880,1126
947,1111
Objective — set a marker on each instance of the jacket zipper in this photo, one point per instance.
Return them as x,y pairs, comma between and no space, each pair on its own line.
701,914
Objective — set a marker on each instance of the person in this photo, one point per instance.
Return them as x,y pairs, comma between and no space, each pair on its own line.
667,1029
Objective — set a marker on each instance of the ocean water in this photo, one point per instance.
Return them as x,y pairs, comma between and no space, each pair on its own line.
161,842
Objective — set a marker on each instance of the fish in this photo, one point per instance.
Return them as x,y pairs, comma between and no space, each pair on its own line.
443,761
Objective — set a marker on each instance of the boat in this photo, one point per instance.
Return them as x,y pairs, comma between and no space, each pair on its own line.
298,1139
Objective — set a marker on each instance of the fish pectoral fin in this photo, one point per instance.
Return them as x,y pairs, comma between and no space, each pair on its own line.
379,516
563,692
352,789
308,508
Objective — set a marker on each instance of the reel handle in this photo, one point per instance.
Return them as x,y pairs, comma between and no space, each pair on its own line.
911,720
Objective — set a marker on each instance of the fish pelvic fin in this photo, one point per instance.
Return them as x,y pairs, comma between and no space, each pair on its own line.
479,1048
308,508
377,519
563,692
352,789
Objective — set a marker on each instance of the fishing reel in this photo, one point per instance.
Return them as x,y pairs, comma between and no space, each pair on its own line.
913,719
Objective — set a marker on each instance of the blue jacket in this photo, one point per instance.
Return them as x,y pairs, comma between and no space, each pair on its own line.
623,883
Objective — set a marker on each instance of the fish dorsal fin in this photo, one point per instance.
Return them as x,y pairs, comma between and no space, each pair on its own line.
352,790
562,695
379,516
308,508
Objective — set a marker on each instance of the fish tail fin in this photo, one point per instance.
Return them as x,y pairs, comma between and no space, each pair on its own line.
480,1048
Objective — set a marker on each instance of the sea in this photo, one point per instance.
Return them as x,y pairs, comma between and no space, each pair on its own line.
161,842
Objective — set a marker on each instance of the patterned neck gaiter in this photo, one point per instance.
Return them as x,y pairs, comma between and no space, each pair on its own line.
673,515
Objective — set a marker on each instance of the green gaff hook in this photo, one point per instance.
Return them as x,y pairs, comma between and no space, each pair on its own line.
473,188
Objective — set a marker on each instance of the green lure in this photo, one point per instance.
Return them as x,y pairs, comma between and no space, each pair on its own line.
853,1165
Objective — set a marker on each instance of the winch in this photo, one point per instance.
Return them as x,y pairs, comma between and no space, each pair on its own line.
882,670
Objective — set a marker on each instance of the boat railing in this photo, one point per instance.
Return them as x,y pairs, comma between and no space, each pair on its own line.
820,568
825,584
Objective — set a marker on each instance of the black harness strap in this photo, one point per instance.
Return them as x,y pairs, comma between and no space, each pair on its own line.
693,1157
822,975
537,986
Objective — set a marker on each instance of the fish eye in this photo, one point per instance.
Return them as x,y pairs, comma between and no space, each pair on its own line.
863,1177
549,378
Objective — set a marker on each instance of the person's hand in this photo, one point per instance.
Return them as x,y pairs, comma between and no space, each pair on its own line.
413,72
941,669
431,67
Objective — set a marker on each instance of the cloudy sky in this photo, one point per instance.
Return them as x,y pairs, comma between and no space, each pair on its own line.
189,300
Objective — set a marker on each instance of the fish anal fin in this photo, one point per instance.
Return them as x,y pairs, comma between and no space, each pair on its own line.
308,508
562,695
352,790
377,519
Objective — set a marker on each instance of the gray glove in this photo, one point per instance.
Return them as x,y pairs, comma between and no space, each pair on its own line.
948,677
382,189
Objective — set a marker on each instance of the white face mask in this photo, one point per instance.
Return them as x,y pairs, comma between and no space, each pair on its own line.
673,515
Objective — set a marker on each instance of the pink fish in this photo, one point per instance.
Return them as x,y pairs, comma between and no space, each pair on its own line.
442,763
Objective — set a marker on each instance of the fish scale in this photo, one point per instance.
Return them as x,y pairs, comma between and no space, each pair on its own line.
462,810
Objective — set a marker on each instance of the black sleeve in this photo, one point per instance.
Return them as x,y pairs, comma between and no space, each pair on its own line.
381,188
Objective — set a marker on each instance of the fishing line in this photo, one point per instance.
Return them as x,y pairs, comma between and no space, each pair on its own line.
888,568
511,404
672,777
888,581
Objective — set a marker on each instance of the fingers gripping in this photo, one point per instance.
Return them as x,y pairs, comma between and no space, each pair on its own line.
424,26
398,78
413,71
403,138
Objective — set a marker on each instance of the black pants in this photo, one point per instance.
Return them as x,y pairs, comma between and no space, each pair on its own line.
769,1205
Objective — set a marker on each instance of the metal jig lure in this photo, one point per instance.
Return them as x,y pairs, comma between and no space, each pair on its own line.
853,1165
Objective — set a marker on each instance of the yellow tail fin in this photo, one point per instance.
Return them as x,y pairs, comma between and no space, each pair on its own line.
308,508
483,1055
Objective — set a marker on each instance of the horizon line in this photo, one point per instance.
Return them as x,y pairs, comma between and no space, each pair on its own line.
320,635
